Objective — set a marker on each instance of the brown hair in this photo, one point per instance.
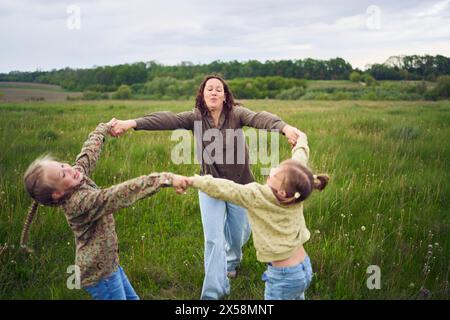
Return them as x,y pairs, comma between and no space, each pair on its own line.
38,189
299,182
229,102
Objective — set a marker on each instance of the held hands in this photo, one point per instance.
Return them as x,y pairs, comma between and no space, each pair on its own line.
181,183
121,126
292,134
111,124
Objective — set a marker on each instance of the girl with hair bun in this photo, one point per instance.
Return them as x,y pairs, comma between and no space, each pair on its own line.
275,211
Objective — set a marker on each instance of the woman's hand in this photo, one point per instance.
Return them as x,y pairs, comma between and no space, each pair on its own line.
292,134
121,126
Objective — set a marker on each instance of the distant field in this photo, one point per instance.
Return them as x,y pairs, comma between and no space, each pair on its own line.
347,84
27,91
387,203
320,84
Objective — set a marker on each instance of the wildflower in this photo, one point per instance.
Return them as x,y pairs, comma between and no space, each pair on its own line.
363,228
317,231
342,215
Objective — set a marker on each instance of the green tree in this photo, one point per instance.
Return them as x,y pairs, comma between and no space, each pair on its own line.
369,80
122,93
355,76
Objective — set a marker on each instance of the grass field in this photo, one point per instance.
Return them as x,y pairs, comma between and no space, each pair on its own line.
387,203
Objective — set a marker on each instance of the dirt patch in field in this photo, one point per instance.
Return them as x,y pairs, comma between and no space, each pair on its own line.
24,91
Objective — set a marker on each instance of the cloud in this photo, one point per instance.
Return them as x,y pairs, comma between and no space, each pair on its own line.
201,31
435,9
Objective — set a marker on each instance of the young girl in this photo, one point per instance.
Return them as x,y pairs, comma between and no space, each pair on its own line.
276,216
88,210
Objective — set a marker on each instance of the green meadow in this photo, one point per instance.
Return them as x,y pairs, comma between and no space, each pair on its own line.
387,203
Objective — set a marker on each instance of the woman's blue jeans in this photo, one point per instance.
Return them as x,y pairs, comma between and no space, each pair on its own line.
226,229
113,287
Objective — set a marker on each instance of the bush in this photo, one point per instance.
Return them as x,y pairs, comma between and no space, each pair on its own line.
123,93
431,95
369,80
35,99
355,76
70,98
419,88
94,95
294,93
100,88
263,87
443,87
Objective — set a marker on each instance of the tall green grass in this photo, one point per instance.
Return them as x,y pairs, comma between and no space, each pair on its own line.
387,203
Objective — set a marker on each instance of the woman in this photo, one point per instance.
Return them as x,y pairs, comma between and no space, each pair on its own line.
225,225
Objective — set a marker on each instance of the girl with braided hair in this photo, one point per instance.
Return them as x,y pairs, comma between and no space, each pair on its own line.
89,212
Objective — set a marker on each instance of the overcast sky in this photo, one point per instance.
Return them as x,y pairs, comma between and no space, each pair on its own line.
48,35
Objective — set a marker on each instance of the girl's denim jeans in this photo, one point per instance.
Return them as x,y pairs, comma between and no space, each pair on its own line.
113,287
288,283
226,229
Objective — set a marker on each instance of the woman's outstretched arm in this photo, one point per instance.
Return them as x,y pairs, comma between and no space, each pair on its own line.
164,120
268,121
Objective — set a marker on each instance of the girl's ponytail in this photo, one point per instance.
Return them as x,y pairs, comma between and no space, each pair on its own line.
27,224
321,181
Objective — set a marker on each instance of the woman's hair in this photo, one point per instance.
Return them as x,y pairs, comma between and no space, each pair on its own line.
39,189
229,102
298,181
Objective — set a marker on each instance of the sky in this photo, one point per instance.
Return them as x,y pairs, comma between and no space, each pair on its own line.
54,34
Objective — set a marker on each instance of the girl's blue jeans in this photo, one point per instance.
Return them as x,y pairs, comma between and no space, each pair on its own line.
113,287
226,229
288,283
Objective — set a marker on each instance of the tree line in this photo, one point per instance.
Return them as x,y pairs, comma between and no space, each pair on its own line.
110,78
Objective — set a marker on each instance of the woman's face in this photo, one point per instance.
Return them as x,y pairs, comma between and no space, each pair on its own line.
214,95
